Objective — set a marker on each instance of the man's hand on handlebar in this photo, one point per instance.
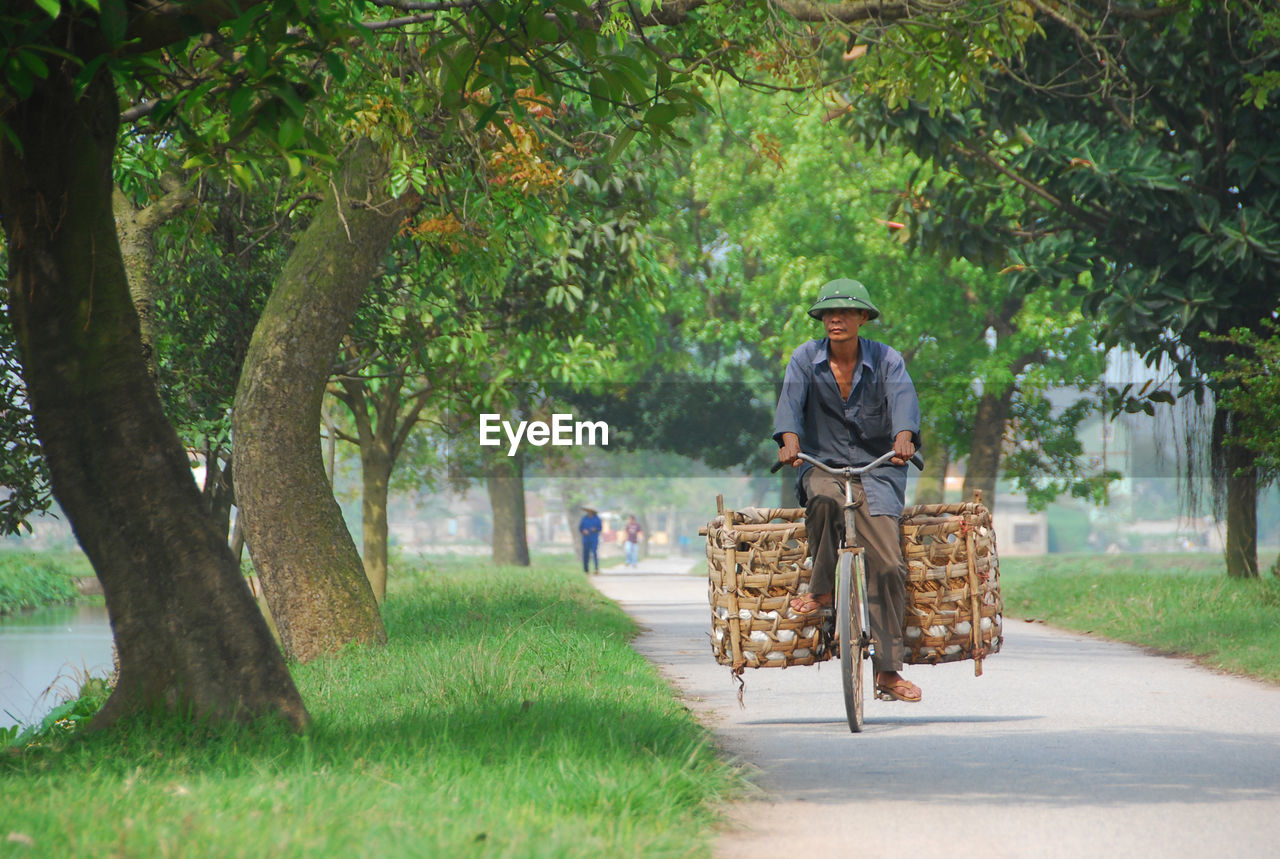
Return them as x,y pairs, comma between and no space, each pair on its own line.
789,453
903,448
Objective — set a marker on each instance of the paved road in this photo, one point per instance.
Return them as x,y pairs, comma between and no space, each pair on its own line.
1066,746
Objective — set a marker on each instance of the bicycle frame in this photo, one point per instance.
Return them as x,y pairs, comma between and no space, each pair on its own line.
846,475
852,622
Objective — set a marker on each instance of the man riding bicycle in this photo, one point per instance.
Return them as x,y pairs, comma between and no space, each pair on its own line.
845,400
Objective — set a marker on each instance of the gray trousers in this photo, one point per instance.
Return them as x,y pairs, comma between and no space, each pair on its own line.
882,554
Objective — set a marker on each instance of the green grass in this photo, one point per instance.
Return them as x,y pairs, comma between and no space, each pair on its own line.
34,579
1181,604
508,716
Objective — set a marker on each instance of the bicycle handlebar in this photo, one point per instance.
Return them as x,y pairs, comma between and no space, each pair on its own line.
849,470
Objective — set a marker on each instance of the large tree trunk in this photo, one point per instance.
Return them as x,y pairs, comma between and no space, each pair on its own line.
189,636
983,465
506,499
1234,466
311,572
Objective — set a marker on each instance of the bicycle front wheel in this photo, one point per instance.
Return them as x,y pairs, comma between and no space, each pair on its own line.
852,646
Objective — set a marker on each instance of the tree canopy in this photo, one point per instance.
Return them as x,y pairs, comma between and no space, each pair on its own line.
1130,153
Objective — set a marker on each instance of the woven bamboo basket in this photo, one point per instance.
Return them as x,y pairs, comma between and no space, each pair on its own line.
756,562
953,606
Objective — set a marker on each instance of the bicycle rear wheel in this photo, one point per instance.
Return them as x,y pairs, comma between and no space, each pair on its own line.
852,647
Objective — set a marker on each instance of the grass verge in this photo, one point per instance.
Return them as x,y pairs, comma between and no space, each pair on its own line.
1179,604
508,716
34,579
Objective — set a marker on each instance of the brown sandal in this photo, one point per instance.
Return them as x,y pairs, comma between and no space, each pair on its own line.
900,689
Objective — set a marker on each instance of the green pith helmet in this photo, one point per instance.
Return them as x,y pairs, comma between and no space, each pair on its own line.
840,294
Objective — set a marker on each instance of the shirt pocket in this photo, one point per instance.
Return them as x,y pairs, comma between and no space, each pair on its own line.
873,417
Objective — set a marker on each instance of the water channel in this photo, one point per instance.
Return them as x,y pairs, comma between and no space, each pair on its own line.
44,655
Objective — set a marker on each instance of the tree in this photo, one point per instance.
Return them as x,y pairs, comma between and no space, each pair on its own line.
23,472
1249,385
188,634
755,236
211,269
311,572
545,290
385,395
1129,154
137,227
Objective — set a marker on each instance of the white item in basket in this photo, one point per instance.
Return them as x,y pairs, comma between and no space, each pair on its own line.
964,627
800,652
775,654
785,635
760,637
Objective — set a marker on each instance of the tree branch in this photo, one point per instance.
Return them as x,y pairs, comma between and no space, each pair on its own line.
851,11
158,23
1083,215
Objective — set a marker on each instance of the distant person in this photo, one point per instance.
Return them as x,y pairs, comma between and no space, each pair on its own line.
589,527
846,400
631,545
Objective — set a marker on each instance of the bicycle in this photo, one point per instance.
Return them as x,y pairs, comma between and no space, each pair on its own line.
851,589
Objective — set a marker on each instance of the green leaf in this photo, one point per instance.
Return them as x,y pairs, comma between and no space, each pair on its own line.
34,64
18,80
286,94
486,116
336,66
238,104
543,28
599,92
114,21
660,115
289,132
244,176
620,144
51,7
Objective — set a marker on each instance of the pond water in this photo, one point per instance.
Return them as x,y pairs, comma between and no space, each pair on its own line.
44,654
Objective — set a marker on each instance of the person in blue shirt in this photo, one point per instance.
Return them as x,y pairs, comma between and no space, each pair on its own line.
589,527
845,400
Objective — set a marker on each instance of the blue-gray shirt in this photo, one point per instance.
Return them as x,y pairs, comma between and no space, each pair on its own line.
882,403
